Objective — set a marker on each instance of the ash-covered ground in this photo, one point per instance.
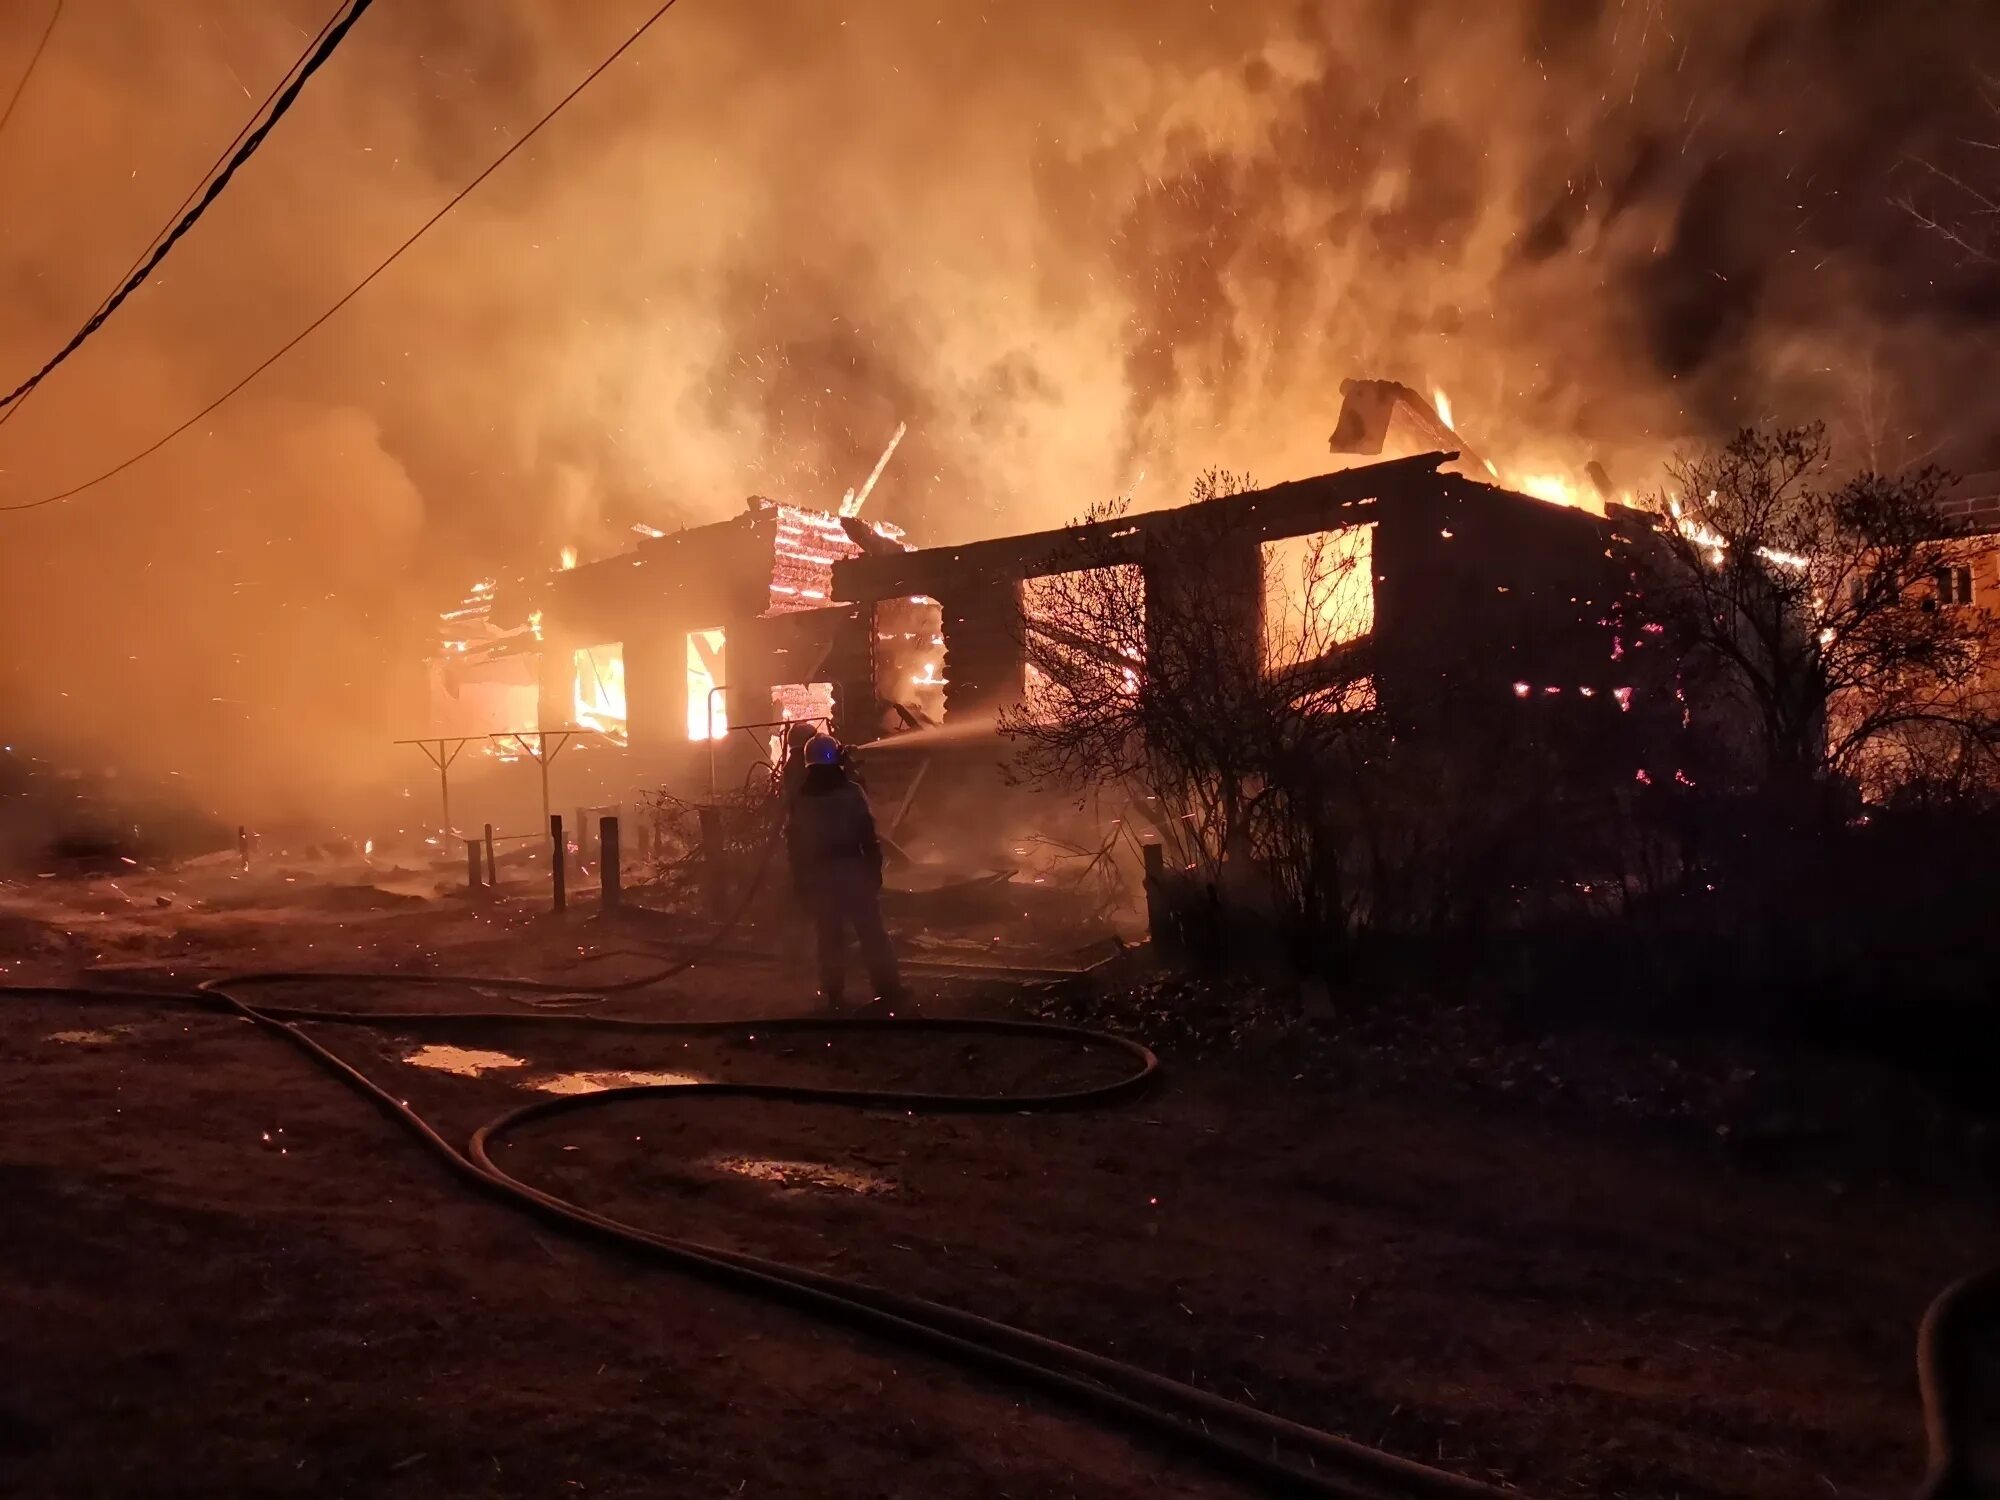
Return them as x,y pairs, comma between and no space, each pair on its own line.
1575,1265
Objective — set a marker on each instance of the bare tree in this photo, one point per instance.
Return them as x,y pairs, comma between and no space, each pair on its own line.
1237,731
1874,410
1838,615
1959,200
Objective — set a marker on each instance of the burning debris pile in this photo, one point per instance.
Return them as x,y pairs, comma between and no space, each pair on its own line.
486,671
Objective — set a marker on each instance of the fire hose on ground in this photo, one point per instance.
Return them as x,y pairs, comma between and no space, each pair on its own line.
1277,1455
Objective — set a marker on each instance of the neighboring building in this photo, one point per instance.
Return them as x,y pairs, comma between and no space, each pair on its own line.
1974,504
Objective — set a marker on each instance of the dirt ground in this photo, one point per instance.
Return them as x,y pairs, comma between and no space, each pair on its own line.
225,1275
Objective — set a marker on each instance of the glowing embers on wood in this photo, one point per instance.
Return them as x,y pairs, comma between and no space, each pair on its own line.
807,545
909,662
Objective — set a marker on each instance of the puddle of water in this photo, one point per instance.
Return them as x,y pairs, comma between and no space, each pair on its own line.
471,1062
467,1062
798,1175
83,1038
590,1083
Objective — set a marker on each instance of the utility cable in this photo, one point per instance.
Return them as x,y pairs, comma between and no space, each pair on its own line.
21,83
354,291
8,414
329,44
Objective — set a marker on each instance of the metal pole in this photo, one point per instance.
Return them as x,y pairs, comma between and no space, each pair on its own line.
542,756
492,876
558,861
607,856
444,786
720,687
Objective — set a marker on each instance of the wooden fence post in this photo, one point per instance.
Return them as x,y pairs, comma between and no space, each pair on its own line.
1156,895
558,860
607,857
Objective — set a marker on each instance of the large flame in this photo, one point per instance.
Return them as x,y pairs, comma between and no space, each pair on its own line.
707,684
1557,489
598,700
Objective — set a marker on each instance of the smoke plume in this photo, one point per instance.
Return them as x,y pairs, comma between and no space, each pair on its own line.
1080,249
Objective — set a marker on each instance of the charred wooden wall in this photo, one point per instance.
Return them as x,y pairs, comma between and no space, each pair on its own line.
1476,587
648,600
978,584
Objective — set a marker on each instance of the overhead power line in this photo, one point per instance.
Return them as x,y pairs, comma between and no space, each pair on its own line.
328,45
8,414
21,83
304,333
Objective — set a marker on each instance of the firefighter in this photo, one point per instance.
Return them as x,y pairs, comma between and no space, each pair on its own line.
836,861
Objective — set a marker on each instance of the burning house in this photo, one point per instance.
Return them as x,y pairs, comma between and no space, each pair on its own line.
1450,589
1446,570
662,650
1455,606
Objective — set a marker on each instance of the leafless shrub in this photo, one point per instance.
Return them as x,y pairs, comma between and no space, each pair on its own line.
1837,615
1241,735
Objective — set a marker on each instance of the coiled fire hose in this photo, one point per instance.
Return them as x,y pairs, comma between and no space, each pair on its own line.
1279,1456
1276,1455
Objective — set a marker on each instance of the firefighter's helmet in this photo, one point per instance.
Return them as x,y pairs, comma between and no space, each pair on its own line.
822,750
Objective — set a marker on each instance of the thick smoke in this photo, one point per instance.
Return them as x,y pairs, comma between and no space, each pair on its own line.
1080,249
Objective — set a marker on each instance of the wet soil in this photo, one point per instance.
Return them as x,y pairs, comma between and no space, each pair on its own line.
226,1275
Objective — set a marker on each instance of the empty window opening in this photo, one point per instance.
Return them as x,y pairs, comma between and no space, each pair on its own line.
1954,585
909,663
1086,639
1319,593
